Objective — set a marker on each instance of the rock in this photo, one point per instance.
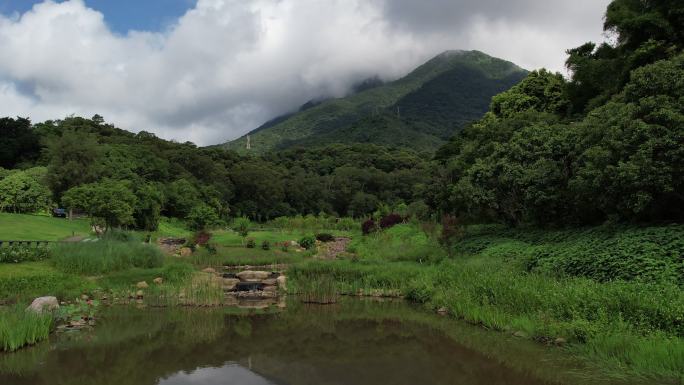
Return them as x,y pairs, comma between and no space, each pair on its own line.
560,341
85,297
158,280
210,270
142,285
272,289
185,252
253,276
520,334
270,282
229,284
443,311
139,293
282,282
294,243
42,304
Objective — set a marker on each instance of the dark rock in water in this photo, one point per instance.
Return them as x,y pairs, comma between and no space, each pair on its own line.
249,286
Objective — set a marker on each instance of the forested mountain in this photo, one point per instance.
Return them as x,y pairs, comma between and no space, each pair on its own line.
419,111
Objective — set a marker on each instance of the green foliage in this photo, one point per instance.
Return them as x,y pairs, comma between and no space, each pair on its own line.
251,243
307,242
109,200
19,328
242,226
73,160
265,245
23,253
104,256
18,143
23,192
202,217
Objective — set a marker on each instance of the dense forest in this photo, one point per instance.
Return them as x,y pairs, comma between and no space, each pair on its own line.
607,144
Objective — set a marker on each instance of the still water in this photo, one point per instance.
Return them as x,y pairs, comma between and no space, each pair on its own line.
352,343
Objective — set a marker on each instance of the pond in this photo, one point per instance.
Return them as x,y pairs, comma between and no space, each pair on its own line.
353,342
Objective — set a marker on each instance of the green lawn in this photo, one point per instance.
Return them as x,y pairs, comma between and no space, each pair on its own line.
22,227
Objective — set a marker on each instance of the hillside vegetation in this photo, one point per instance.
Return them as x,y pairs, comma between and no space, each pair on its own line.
418,111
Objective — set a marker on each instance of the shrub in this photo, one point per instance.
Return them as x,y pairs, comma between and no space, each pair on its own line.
307,242
251,243
452,231
201,238
325,237
17,254
266,245
104,256
368,227
211,248
202,217
390,220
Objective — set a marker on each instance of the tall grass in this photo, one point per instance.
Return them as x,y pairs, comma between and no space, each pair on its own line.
104,256
321,290
19,328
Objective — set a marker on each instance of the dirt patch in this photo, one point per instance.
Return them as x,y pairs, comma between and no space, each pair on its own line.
331,250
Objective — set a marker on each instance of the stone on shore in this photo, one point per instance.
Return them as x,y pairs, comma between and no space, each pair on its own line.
43,304
142,285
253,276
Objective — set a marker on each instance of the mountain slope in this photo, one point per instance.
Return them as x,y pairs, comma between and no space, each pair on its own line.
420,110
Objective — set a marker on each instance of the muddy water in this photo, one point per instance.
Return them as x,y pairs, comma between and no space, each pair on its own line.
354,342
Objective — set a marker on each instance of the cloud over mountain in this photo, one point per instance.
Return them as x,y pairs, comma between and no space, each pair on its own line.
228,65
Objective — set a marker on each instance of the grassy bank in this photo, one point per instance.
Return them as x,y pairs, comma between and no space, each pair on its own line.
104,256
632,325
19,227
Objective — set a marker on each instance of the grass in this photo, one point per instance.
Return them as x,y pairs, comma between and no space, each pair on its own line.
20,328
23,227
233,256
321,290
633,327
104,256
28,280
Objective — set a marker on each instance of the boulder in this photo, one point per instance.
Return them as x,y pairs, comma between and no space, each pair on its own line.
560,341
139,294
270,282
229,284
185,252
271,289
210,270
520,334
42,304
142,285
253,276
84,297
158,280
442,311
282,282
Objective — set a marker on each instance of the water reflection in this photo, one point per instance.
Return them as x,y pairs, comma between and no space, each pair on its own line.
354,342
229,374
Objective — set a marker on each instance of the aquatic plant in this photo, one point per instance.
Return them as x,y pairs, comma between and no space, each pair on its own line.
19,327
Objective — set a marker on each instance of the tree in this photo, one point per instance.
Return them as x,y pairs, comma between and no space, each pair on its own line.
241,226
21,192
113,202
147,212
73,160
18,142
202,217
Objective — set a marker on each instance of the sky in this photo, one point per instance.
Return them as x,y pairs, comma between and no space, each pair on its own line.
208,71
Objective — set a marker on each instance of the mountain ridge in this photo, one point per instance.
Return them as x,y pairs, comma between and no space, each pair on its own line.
367,116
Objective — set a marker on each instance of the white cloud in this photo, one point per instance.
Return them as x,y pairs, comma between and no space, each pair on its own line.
228,65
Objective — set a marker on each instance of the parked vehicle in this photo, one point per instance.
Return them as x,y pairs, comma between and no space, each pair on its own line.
59,213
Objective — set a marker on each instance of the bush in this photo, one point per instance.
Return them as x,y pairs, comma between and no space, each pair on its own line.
266,245
307,242
325,237
17,254
202,217
390,220
368,227
211,248
251,243
104,256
